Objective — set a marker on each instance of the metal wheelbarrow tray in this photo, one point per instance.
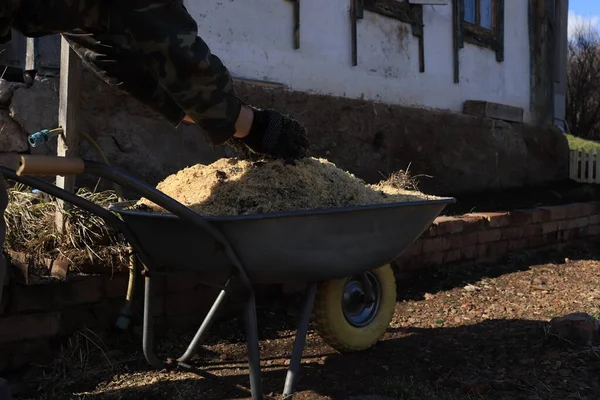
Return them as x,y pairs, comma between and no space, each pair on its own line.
301,246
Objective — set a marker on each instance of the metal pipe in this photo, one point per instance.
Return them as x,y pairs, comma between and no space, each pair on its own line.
148,334
253,349
299,341
206,324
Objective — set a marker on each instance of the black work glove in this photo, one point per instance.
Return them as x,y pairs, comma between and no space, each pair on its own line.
277,135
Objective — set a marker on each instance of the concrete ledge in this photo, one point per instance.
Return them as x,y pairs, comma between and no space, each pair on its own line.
487,109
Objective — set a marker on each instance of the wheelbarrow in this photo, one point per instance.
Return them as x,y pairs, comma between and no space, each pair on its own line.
342,256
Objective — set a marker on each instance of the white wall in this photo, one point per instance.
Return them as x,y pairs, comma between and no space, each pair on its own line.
254,39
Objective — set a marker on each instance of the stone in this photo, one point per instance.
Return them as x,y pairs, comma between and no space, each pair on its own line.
7,89
579,328
36,108
12,137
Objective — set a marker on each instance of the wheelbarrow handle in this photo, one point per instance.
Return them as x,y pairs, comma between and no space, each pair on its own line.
55,165
50,165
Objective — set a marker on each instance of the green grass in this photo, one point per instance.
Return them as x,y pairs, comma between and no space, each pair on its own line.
577,143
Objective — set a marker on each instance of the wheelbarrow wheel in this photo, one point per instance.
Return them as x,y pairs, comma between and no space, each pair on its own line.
346,319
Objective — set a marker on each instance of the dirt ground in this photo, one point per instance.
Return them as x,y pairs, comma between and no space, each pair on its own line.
458,333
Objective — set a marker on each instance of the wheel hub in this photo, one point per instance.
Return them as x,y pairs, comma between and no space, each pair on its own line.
358,311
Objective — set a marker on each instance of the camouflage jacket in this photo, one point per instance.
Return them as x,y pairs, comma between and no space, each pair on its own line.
8,8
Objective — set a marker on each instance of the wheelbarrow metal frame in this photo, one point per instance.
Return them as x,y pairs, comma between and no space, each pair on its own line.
123,179
126,180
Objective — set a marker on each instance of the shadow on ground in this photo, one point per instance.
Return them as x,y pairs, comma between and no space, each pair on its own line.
495,359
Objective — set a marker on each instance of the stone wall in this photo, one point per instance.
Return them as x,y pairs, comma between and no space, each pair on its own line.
453,153
36,316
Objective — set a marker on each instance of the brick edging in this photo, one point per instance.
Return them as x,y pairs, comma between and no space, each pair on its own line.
486,236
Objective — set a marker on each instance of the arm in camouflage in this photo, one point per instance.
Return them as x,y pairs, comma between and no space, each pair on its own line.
151,49
7,11
166,37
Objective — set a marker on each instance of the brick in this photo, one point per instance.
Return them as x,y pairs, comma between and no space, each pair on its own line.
566,224
469,239
5,355
492,220
592,230
539,216
117,286
433,245
469,252
532,230
38,351
512,233
498,248
519,244
413,250
483,250
594,207
521,217
581,222
556,212
537,241
595,219
54,295
29,326
578,210
549,227
75,318
107,312
490,235
457,241
473,223
453,255
447,225
433,259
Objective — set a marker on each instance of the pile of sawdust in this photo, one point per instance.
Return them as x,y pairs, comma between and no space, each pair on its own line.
239,187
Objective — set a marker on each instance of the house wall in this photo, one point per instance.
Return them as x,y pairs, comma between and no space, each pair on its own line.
255,40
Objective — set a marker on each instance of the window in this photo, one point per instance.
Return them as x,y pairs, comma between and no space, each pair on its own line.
479,13
482,23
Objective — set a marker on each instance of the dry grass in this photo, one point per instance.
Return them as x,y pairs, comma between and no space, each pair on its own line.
238,187
31,229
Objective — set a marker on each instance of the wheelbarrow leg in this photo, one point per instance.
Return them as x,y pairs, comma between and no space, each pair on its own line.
253,349
208,320
299,341
148,338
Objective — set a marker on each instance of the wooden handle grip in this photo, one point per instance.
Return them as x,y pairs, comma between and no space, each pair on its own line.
50,165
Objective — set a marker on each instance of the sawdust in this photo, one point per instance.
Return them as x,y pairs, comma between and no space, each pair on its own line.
233,186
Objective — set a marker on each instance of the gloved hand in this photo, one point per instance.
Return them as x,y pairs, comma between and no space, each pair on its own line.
277,135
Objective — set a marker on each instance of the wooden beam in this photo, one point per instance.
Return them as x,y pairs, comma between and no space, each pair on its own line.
68,113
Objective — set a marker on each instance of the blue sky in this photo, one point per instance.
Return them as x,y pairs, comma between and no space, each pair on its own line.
584,12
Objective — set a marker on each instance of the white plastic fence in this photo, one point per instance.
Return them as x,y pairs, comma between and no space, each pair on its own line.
584,166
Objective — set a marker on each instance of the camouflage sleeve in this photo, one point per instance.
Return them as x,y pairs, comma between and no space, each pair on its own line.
8,9
166,36
161,38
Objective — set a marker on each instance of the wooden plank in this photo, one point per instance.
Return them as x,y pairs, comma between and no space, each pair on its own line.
68,112
597,167
353,32
572,156
590,168
493,110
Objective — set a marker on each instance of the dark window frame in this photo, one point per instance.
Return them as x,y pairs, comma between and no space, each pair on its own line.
475,34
